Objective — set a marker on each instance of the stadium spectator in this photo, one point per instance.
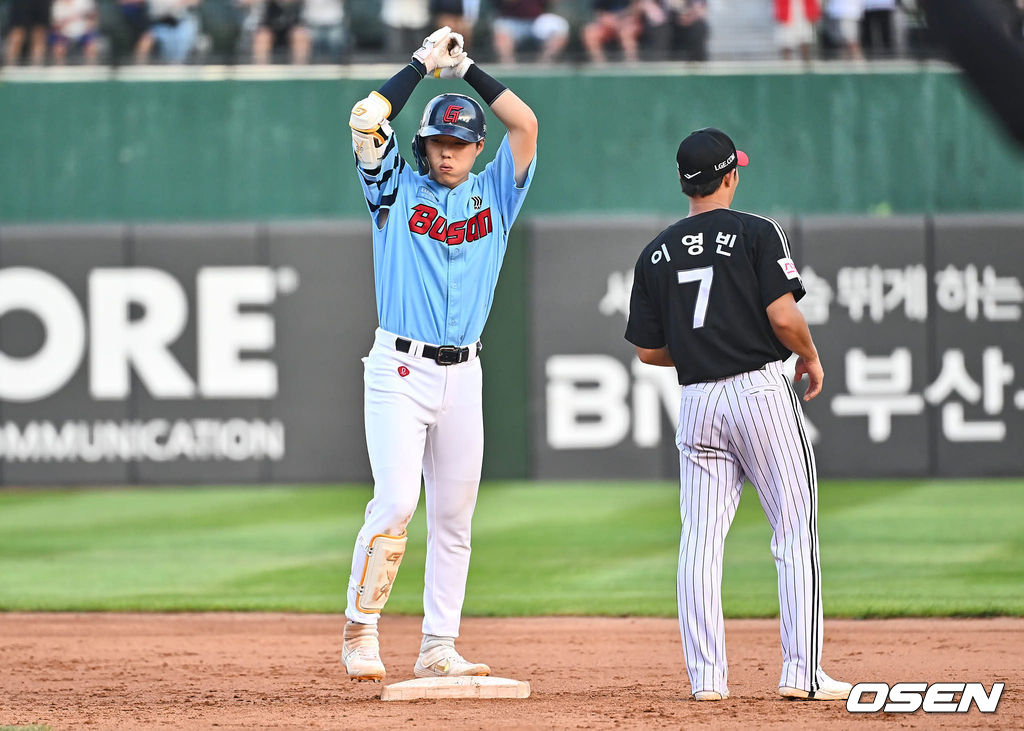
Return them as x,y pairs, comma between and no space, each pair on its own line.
224,24
690,30
794,26
174,28
675,29
842,27
325,23
281,27
28,19
655,30
877,37
405,23
528,21
135,19
614,20
918,38
74,24
459,15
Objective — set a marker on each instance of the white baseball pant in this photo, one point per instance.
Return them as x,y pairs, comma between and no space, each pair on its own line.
422,418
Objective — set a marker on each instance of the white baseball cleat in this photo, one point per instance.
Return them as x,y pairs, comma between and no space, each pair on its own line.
709,695
445,661
361,653
828,690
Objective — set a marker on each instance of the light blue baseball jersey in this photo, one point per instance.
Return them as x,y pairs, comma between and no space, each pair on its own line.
437,258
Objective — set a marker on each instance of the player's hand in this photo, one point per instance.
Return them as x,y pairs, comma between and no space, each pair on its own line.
455,72
815,375
453,64
436,49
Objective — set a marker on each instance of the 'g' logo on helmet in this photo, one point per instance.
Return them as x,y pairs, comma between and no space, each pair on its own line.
451,114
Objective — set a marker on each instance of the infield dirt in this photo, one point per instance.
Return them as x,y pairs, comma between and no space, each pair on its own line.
227,671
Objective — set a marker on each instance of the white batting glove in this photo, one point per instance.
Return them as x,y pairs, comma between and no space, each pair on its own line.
435,47
456,71
455,51
455,58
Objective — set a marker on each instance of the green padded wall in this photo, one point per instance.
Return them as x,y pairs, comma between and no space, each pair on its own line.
240,150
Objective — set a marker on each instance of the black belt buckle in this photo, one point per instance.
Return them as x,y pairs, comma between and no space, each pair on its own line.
448,355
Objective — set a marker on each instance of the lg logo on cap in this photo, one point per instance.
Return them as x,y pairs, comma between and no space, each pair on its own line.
725,162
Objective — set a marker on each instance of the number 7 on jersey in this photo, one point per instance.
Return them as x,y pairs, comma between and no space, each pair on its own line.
704,275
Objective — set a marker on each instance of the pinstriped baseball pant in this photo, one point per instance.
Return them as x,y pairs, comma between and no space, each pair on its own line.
748,426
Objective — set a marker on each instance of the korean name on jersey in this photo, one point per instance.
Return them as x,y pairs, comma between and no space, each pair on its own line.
702,286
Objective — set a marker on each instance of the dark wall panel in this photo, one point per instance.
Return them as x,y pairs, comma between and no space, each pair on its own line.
867,305
591,404
917,326
56,434
324,328
221,427
231,352
977,388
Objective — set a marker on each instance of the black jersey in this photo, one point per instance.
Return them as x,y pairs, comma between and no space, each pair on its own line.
702,286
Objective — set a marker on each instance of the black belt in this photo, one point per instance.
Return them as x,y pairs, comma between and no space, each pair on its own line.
445,355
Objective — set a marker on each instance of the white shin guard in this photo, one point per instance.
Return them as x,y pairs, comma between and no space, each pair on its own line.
383,557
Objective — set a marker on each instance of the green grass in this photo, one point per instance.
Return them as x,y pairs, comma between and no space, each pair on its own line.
887,549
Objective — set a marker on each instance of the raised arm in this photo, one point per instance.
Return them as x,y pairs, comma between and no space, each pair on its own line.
521,123
513,112
370,116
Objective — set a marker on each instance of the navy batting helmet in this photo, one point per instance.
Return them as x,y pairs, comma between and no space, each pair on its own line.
449,114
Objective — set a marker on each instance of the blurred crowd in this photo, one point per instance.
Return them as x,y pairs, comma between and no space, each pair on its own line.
547,31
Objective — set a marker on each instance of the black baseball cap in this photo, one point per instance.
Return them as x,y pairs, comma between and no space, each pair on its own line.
706,155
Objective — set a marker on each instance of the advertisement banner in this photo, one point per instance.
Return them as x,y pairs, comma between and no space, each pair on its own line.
867,307
232,352
598,411
56,425
323,332
917,322
183,353
201,359
976,387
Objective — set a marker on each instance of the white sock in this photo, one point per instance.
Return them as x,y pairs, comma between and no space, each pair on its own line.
358,629
432,641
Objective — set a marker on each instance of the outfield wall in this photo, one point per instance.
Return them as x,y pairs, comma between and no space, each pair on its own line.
231,352
251,372
831,141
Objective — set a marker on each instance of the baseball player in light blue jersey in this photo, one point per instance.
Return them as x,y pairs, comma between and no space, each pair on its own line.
439,236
